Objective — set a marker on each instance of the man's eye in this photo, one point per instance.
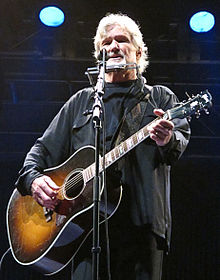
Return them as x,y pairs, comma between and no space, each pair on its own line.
106,43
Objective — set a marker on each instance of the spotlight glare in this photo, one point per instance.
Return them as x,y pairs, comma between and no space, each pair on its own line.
202,22
51,16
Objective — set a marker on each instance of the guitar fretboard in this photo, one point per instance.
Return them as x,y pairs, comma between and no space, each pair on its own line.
119,151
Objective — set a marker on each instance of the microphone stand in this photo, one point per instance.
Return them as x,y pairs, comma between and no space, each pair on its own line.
97,110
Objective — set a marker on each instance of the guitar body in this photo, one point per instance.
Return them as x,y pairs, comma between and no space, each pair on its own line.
49,244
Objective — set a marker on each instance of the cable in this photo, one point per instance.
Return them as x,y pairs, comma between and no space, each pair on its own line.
2,258
108,255
25,39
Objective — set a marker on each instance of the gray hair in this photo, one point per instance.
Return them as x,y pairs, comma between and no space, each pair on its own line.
131,27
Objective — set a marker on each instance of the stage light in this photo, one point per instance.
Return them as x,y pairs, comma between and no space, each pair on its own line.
52,16
202,22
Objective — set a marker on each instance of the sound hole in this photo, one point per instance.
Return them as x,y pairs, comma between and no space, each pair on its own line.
74,185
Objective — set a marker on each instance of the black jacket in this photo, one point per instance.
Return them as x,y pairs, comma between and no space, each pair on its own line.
145,171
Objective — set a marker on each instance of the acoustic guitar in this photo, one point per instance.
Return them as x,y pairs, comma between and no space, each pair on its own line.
49,240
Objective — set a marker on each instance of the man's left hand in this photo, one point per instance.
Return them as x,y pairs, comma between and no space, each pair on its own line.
161,130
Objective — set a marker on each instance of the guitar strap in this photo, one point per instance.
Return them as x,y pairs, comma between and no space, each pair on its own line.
133,116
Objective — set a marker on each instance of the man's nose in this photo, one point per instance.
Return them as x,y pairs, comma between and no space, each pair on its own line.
114,46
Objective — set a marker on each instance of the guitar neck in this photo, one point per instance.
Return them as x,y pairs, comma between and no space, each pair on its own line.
120,150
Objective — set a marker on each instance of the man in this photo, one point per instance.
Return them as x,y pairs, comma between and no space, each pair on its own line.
140,229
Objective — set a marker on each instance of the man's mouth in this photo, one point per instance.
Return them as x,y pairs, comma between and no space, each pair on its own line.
115,57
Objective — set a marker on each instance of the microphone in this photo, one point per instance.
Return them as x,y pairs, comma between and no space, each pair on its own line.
112,68
102,53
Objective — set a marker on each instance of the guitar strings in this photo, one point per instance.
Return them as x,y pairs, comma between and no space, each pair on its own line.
72,183
75,180
69,184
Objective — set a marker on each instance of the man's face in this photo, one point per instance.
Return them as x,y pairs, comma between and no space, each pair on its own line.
119,46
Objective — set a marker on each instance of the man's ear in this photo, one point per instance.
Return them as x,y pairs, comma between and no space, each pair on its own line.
138,53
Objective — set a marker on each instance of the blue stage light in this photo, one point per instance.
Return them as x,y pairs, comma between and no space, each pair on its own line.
51,16
202,22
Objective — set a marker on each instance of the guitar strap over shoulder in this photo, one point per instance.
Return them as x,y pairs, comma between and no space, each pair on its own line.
133,116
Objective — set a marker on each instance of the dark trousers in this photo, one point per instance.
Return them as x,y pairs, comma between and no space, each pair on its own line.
136,254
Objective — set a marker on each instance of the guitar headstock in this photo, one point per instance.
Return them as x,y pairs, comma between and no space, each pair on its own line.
194,105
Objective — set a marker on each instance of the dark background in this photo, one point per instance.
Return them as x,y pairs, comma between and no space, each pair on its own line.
40,68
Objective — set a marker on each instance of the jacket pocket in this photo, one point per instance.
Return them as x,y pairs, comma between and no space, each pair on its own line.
82,132
80,122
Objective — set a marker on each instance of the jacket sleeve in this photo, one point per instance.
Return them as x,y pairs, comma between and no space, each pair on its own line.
49,150
181,132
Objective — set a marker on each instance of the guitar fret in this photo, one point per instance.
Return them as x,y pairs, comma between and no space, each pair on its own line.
121,149
93,169
100,165
135,140
90,172
113,155
140,135
145,131
129,143
116,152
125,146
108,159
86,175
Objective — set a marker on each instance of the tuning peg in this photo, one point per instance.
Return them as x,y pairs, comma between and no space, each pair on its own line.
206,111
189,118
197,113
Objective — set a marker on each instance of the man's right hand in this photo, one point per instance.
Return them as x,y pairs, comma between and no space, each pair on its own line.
44,191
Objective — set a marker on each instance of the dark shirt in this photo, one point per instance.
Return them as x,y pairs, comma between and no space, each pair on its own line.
144,172
117,97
